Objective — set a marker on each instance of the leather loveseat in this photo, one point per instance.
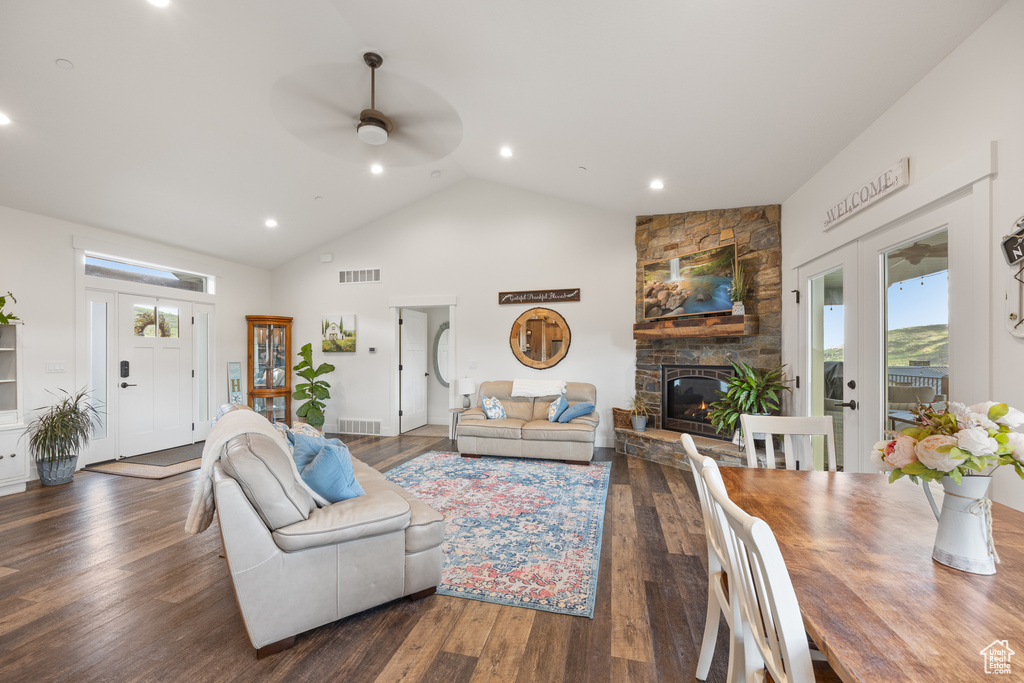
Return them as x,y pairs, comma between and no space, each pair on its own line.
295,565
525,432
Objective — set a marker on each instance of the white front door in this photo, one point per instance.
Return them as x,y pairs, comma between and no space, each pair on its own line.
413,363
830,360
154,374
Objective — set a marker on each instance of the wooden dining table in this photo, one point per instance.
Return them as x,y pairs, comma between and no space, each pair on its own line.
859,551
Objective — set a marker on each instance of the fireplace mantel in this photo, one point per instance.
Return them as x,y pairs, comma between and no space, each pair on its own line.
688,328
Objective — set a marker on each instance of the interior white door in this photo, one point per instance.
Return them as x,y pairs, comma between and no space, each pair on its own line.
154,374
414,358
830,358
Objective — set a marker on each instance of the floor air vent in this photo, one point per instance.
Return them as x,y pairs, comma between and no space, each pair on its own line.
350,426
354,277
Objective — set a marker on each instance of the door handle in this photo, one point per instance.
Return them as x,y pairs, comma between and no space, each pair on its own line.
125,385
426,374
851,404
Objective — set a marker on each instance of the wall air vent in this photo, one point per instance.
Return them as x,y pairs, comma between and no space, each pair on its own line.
355,277
348,425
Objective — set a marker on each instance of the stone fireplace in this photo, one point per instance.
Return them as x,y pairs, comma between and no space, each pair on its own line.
705,345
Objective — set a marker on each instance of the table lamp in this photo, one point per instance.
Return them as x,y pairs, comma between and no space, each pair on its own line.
466,387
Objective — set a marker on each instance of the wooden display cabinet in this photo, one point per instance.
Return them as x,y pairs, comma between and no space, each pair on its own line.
270,365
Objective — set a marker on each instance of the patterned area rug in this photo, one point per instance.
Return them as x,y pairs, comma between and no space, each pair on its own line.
519,532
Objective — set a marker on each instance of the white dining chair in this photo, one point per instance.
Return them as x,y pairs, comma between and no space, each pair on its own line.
796,435
763,589
743,662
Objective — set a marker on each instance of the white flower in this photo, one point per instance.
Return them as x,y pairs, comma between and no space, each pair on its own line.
929,456
976,440
878,456
1015,440
969,419
1013,419
982,407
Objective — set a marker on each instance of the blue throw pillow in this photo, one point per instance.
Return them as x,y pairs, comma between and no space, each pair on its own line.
558,407
576,410
306,447
331,475
492,408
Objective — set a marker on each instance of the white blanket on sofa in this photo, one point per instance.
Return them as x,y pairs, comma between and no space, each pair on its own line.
230,425
532,388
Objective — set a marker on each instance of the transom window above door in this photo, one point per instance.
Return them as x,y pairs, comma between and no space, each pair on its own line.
99,266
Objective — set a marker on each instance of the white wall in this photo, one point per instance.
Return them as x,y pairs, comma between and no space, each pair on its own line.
973,97
472,241
37,264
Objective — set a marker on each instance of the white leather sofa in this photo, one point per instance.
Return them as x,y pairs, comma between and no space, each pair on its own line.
526,432
296,566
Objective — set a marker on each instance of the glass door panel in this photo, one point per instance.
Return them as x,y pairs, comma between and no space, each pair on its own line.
916,327
260,356
277,354
827,359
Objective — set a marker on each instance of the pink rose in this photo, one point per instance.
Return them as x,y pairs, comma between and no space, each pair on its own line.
901,452
929,456
878,453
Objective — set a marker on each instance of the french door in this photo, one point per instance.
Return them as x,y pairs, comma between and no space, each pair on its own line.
830,358
889,321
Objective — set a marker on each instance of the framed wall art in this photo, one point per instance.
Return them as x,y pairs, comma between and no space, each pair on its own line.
339,333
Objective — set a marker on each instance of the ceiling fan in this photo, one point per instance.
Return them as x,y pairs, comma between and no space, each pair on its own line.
919,251
316,104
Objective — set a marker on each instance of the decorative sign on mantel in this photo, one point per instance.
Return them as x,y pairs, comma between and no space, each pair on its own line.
894,178
542,296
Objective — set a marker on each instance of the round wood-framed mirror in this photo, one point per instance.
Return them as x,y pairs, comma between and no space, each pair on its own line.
540,338
441,354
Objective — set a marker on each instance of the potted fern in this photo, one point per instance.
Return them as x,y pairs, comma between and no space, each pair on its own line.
313,391
750,390
57,436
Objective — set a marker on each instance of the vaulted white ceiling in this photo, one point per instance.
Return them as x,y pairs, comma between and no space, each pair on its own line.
170,125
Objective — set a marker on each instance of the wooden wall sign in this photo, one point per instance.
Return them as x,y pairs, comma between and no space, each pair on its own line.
540,296
896,177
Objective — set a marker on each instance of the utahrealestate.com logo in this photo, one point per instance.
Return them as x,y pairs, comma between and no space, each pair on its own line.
997,657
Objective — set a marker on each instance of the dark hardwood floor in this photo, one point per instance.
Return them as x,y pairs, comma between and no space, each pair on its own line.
98,581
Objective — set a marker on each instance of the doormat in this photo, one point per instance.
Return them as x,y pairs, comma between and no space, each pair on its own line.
156,465
525,533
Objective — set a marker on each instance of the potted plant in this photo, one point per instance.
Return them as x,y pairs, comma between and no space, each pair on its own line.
750,390
7,318
313,391
57,436
639,412
738,289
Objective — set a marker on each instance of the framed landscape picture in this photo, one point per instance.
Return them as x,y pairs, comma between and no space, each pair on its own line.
692,284
339,333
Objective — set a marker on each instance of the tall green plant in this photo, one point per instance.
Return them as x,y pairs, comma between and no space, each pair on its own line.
738,288
313,391
750,390
6,318
64,429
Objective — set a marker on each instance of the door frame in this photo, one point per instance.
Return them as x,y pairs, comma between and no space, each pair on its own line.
107,448
390,427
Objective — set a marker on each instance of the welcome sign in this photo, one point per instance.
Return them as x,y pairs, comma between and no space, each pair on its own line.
888,181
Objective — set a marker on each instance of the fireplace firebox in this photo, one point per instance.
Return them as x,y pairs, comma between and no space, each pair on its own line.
687,391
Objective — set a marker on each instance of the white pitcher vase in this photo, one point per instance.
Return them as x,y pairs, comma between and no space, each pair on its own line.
964,538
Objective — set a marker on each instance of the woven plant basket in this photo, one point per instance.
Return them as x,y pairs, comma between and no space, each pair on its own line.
53,472
620,418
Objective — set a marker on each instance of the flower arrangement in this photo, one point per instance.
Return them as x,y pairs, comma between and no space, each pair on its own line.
955,442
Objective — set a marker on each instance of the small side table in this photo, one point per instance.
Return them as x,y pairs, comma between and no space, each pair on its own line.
456,416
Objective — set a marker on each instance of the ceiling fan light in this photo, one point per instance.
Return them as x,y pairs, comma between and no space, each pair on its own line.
372,133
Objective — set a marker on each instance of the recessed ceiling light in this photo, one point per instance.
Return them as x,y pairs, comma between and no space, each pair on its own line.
65,64
657,184
160,3
582,168
318,199
376,169
270,223
4,119
506,152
